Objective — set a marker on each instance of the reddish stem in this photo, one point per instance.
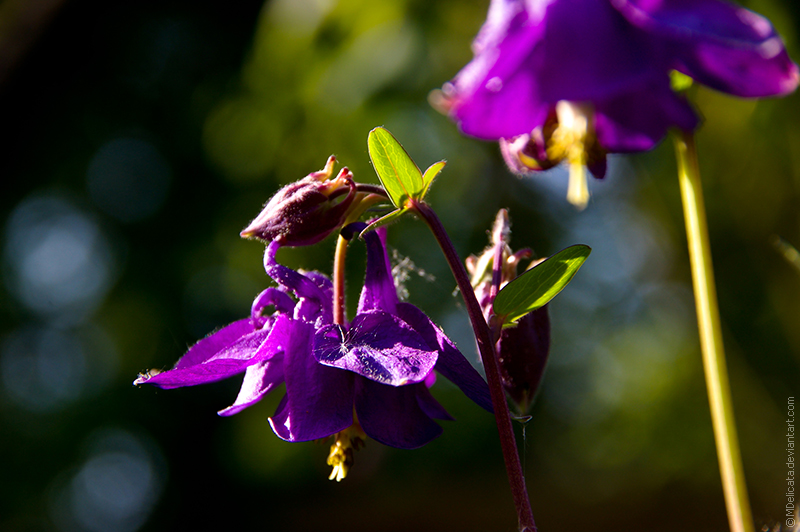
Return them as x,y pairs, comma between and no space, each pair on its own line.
486,348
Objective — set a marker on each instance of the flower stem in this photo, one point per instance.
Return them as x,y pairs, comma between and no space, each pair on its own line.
368,195
486,347
338,280
719,395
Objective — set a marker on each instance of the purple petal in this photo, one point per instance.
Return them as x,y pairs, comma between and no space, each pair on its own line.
287,277
319,399
526,61
497,94
531,145
214,343
194,375
498,20
392,415
259,380
719,44
637,121
430,379
271,296
233,359
598,168
229,360
451,364
590,53
379,292
431,406
378,346
324,284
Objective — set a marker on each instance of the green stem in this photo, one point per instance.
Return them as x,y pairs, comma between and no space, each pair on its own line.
338,280
483,336
705,295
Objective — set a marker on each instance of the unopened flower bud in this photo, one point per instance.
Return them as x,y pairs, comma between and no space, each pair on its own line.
522,349
306,211
523,352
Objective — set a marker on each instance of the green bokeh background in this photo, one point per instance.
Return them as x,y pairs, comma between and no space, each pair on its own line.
156,130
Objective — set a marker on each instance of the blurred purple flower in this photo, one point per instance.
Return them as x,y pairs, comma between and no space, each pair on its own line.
576,79
376,368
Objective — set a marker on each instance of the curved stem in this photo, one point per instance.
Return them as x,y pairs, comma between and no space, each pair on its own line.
705,295
372,189
486,347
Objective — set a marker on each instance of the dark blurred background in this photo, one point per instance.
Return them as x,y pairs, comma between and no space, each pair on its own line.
141,137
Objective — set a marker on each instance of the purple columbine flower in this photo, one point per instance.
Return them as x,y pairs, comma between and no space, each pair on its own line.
377,368
576,79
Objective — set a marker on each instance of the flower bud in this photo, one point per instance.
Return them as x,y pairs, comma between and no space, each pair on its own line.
523,352
522,349
306,211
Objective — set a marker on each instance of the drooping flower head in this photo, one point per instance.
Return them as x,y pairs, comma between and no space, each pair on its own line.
366,378
573,80
393,346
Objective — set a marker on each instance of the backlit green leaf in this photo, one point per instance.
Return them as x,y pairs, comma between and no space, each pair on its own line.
430,174
540,284
383,220
398,174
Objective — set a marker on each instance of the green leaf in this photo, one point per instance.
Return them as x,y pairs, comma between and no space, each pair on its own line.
540,284
398,174
430,174
383,220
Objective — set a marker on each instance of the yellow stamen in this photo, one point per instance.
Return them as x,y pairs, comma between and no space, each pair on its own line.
345,443
578,189
570,141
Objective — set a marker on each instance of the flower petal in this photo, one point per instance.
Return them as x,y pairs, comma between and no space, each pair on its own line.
638,120
274,297
214,343
324,284
431,406
232,359
259,380
392,415
498,20
287,277
319,399
719,44
590,53
379,292
451,363
497,94
378,346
